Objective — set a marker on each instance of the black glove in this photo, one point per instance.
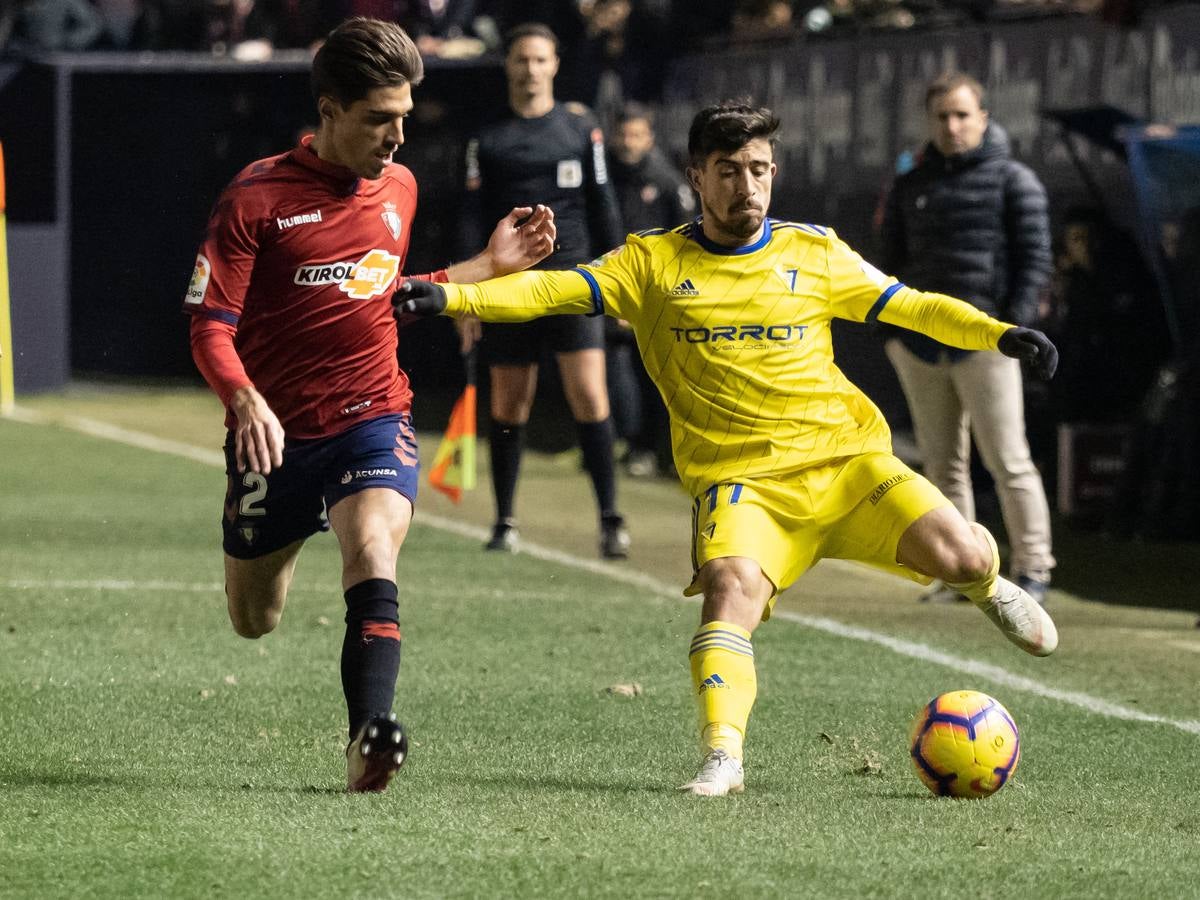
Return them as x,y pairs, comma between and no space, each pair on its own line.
1033,348
418,298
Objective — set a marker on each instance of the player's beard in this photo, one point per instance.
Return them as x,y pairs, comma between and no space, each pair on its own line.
742,223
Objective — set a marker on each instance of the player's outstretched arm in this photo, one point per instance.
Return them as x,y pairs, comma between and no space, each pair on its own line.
959,324
522,238
518,297
1036,351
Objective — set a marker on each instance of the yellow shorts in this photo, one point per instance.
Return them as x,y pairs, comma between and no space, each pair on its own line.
854,508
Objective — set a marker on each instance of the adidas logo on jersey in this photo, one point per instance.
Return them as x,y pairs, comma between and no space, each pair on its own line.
302,219
685,288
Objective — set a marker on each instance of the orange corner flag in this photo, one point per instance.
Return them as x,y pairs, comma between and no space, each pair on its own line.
453,468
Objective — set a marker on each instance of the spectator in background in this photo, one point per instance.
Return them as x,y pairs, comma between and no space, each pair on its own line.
1107,317
620,57
54,25
130,25
854,15
972,222
652,195
563,18
305,23
695,23
552,154
1182,256
1169,433
1081,320
451,29
756,20
243,29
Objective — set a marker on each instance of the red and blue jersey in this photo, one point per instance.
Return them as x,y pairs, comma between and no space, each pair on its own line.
298,266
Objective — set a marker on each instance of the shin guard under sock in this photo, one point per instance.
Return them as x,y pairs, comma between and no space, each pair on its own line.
722,663
370,650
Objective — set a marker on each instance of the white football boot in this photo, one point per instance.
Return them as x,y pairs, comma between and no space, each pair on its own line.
375,755
1021,618
719,774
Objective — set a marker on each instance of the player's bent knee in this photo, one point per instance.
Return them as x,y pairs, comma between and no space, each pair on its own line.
964,562
735,589
253,629
253,622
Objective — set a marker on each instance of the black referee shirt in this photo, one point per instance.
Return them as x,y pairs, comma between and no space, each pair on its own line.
556,160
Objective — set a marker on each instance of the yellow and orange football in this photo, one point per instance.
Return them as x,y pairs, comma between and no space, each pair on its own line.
964,744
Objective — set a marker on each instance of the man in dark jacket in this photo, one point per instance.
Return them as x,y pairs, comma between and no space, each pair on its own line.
652,194
971,221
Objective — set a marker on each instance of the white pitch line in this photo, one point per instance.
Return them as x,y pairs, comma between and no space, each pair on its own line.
121,435
912,649
108,584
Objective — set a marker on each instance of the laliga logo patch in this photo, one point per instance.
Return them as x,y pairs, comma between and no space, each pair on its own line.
198,286
609,256
391,219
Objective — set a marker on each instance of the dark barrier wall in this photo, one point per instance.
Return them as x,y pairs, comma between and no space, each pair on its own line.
118,161
148,148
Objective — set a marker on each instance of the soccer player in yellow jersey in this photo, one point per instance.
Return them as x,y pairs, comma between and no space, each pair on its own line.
786,460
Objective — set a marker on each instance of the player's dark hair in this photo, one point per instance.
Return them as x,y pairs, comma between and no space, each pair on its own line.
362,54
952,81
529,29
728,127
633,111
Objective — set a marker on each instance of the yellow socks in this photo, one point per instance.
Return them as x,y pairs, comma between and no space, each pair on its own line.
984,588
722,661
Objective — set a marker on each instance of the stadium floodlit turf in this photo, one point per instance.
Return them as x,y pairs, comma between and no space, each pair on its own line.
150,752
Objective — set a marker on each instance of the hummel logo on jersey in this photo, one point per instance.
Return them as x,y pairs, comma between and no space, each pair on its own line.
362,280
685,288
712,681
302,219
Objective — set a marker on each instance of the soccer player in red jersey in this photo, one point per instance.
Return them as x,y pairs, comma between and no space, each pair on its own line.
292,328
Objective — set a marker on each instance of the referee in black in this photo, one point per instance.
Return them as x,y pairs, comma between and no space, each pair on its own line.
551,153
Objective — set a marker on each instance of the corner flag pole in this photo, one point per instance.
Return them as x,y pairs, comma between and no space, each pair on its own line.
453,469
7,395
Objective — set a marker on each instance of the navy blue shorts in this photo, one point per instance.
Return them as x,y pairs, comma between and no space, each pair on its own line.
264,513
523,343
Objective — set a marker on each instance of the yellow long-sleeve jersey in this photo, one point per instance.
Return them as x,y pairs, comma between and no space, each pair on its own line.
738,340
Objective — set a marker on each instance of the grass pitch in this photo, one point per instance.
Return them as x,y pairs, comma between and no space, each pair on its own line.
150,752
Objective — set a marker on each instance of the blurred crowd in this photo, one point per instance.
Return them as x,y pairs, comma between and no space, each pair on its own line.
633,37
